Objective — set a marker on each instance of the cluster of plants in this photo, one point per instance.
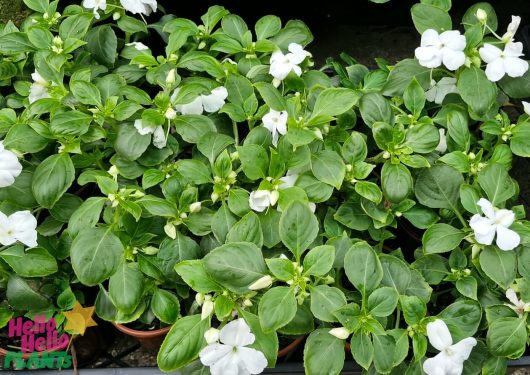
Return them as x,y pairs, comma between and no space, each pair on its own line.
207,176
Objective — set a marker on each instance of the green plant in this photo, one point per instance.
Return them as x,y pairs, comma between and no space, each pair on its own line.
221,175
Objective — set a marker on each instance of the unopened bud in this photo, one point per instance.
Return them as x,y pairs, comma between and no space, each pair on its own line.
150,250
171,77
207,308
170,113
234,156
211,336
247,303
195,207
116,16
481,15
349,167
386,155
340,333
170,230
183,215
261,283
273,197
113,171
214,197
318,134
199,298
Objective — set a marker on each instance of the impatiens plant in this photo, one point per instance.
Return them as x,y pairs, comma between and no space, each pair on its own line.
206,176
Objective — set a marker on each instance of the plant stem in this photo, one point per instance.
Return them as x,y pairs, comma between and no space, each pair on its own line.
236,132
398,317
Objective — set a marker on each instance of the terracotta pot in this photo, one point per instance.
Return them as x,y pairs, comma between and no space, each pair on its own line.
291,347
148,339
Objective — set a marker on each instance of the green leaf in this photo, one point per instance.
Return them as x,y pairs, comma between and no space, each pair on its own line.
439,187
362,267
86,216
248,229
362,349
520,140
462,318
129,143
353,216
194,274
497,184
467,286
458,129
15,43
328,167
422,138
254,160
414,97
158,206
470,17
396,181
276,308
183,343
75,26
507,337
71,123
441,238
235,265
476,90
173,251
384,347
369,190
325,300
52,178
85,92
332,102
271,95
442,4
319,260
95,254
165,305
212,144
323,353
126,286
267,26
427,16
498,265
222,221
403,72
239,89
22,294
298,228
102,44
40,6
375,108
36,262
267,343
414,309
396,273
382,302
193,127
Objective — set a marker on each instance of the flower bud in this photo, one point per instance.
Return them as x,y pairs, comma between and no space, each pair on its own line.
116,16
214,197
171,77
340,333
113,171
273,197
481,15
211,335
183,215
199,298
207,308
170,230
261,283
150,250
234,156
195,207
276,82
349,167
170,113
318,134
247,302
386,155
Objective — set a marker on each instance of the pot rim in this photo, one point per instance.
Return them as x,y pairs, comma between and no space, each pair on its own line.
141,334
294,344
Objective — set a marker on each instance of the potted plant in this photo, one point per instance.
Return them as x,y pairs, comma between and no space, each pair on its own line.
210,182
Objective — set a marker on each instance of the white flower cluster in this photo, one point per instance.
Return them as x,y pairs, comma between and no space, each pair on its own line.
19,226
134,6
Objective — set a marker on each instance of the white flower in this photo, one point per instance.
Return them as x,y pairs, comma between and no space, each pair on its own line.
139,6
139,46
261,283
450,360
139,125
512,29
340,333
447,48
440,89
260,200
209,103
288,180
39,88
496,221
442,145
95,5
20,226
526,107
503,62
10,167
282,65
230,355
519,306
276,123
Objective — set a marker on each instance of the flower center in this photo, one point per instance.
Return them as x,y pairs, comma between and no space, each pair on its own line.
234,349
449,352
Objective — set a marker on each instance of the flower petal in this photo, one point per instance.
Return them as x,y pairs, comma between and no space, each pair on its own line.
515,67
507,239
429,57
139,125
513,49
495,70
10,168
214,101
237,333
489,53
462,349
227,365
512,296
436,365
453,59
487,208
453,40
430,37
254,360
193,108
485,238
504,217
24,225
481,225
159,137
439,335
526,107
213,353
